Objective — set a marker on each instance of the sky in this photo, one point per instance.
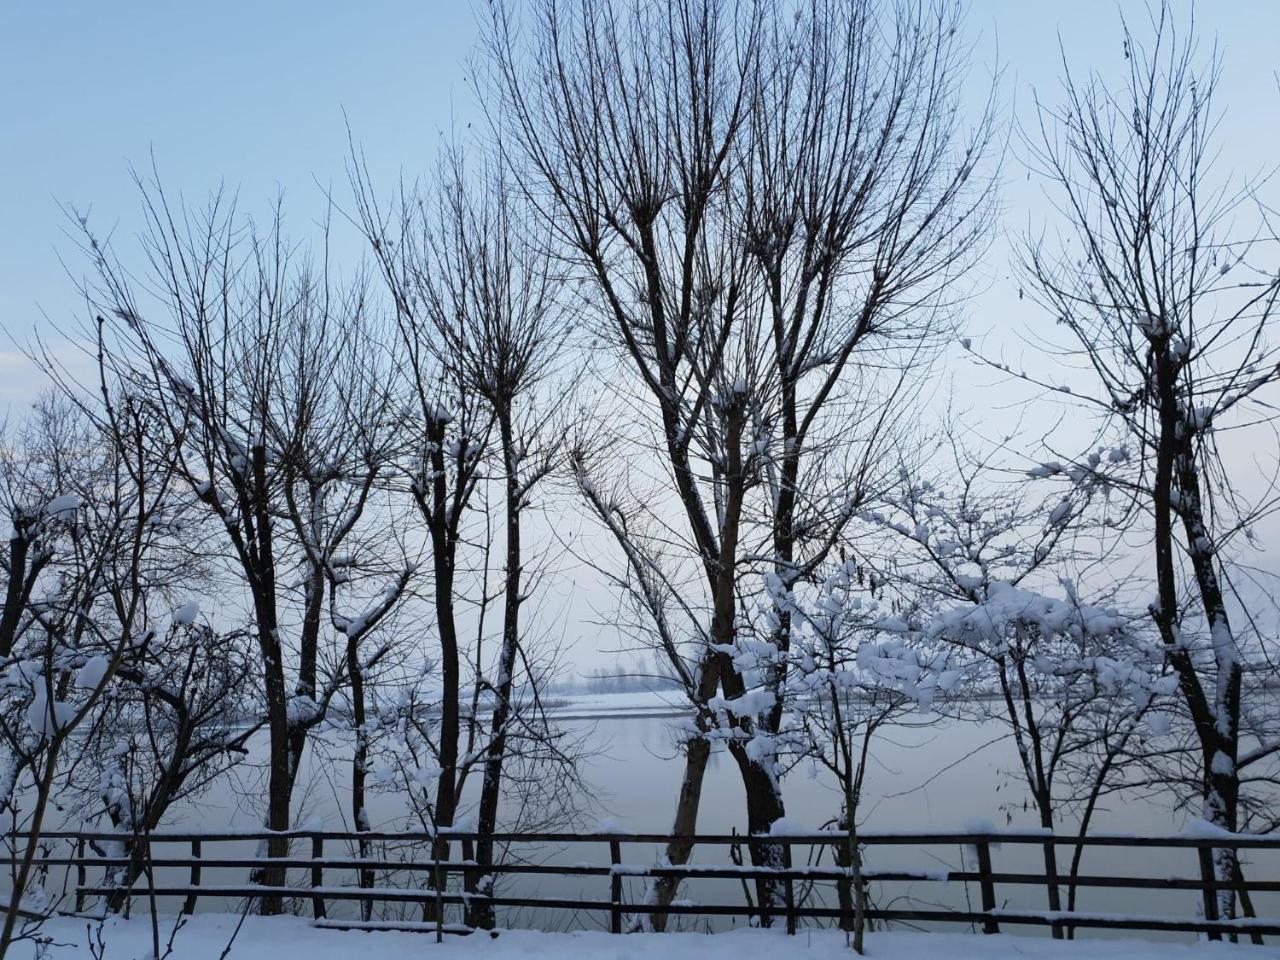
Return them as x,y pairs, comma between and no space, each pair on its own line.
250,95
256,96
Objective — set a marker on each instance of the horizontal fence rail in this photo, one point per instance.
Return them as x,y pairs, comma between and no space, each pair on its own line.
461,882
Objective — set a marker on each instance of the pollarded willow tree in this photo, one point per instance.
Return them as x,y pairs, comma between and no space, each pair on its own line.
262,377
499,326
766,205
1170,309
444,438
481,313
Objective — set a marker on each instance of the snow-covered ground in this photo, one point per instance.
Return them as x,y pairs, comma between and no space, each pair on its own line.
205,937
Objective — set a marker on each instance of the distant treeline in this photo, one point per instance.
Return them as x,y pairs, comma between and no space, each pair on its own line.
636,678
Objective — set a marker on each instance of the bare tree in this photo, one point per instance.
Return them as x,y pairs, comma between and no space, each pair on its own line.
863,199
479,301
496,314
263,381
768,208
446,437
1171,319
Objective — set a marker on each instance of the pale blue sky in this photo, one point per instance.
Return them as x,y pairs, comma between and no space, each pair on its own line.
252,94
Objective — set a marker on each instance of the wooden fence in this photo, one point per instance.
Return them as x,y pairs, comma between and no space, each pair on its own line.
194,854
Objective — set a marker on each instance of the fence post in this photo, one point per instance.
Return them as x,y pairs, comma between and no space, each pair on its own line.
189,906
1209,890
987,885
470,878
317,876
81,876
615,887
469,874
789,889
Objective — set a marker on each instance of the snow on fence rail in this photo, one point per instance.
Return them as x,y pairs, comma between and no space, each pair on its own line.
147,854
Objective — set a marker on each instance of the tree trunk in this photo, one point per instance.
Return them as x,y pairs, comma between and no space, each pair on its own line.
439,517
259,553
359,760
763,800
17,592
1221,751
764,807
440,520
1217,722
446,783
279,787
685,825
481,914
280,772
